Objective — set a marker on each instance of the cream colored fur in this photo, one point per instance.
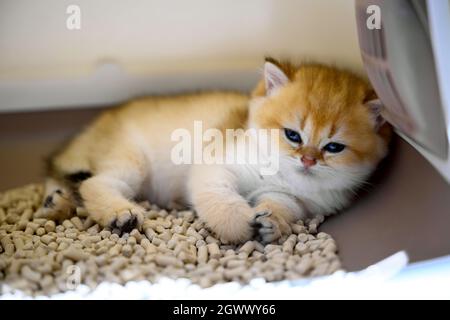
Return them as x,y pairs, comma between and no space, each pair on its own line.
128,150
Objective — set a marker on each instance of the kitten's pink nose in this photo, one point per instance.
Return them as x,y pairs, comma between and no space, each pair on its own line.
308,161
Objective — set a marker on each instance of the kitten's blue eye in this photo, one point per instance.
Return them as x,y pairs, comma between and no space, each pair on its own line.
334,147
292,135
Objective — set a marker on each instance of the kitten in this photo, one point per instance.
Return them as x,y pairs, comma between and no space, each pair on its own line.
331,139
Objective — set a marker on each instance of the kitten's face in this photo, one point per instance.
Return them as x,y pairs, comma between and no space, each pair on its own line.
328,137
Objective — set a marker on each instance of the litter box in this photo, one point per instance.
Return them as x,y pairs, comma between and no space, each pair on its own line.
63,62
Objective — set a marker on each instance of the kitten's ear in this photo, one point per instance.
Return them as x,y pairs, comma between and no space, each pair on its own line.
274,77
375,107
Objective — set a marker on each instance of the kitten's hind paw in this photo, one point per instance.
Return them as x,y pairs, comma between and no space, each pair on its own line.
58,205
128,219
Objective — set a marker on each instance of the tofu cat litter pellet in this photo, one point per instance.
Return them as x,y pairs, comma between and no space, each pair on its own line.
41,257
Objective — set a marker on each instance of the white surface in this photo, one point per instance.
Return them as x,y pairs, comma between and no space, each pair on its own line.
159,46
388,279
439,20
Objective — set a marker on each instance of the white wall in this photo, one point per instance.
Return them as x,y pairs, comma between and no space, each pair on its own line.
129,48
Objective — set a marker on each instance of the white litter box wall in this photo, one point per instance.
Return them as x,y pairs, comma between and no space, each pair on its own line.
124,49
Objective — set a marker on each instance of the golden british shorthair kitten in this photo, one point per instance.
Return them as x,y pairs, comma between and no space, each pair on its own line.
330,140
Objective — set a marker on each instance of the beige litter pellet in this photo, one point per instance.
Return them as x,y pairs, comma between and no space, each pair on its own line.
302,237
236,263
288,245
301,248
77,223
49,226
150,233
21,225
210,239
40,231
46,281
36,253
46,239
30,274
93,230
127,250
166,261
136,234
202,255
248,247
213,250
27,214
67,224
114,237
75,254
115,250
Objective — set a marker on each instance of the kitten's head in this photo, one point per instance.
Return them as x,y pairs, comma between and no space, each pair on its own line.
331,132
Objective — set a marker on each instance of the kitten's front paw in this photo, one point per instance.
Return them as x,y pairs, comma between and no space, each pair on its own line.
234,230
270,226
127,219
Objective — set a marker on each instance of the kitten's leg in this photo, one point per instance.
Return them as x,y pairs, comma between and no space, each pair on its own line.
108,195
216,199
58,202
274,214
